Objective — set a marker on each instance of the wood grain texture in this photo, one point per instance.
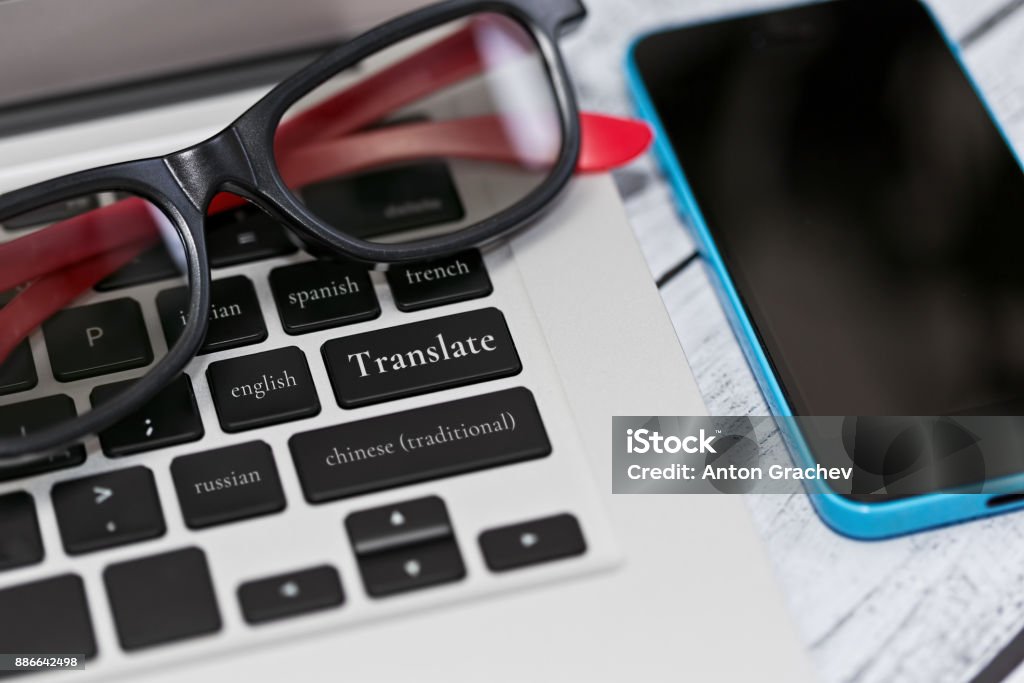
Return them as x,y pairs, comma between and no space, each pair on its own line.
933,607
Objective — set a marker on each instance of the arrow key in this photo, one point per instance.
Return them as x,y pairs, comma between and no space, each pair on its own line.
533,542
394,526
406,569
108,510
292,594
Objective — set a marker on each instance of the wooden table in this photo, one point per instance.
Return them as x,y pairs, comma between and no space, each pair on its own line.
933,607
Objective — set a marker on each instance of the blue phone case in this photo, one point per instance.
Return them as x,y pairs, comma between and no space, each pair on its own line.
866,521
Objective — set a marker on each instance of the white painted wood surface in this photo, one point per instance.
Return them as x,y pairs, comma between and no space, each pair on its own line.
933,607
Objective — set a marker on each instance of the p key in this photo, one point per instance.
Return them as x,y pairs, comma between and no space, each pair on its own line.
96,340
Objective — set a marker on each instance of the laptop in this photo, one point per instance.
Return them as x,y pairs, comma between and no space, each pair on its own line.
508,563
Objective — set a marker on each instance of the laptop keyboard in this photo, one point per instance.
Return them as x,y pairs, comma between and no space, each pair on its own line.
419,330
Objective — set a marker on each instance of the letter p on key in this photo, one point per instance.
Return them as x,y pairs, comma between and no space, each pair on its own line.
93,334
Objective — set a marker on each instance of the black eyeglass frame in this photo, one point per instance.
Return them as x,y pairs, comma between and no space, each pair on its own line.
240,160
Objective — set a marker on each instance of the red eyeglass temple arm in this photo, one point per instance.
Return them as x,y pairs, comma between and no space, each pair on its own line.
607,142
70,257
449,60
445,62
86,257
35,304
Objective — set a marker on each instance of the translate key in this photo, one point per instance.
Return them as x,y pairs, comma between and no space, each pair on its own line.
420,357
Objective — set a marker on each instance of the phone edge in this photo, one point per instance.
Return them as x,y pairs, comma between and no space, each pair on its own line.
861,521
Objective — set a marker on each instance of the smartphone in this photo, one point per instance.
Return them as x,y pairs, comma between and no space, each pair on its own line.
862,216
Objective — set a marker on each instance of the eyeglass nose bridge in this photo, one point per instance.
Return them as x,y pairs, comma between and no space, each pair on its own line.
203,170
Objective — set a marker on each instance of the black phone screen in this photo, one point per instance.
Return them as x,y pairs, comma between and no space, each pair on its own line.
866,206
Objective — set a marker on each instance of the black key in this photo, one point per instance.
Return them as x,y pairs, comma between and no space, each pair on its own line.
168,419
436,283
245,235
162,599
235,317
21,419
316,295
20,543
262,389
405,547
386,201
96,340
393,526
18,372
288,595
108,510
47,617
151,265
420,357
418,445
72,457
412,568
227,484
540,540
51,213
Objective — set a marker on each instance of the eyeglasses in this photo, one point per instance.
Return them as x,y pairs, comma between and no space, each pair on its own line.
471,87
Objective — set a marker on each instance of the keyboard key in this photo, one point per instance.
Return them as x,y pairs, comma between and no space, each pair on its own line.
151,265
262,389
412,568
288,595
316,295
437,283
420,357
386,201
18,372
73,457
405,546
21,419
418,445
108,510
20,543
51,213
162,599
386,528
227,484
168,419
97,339
52,617
540,540
245,235
235,317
